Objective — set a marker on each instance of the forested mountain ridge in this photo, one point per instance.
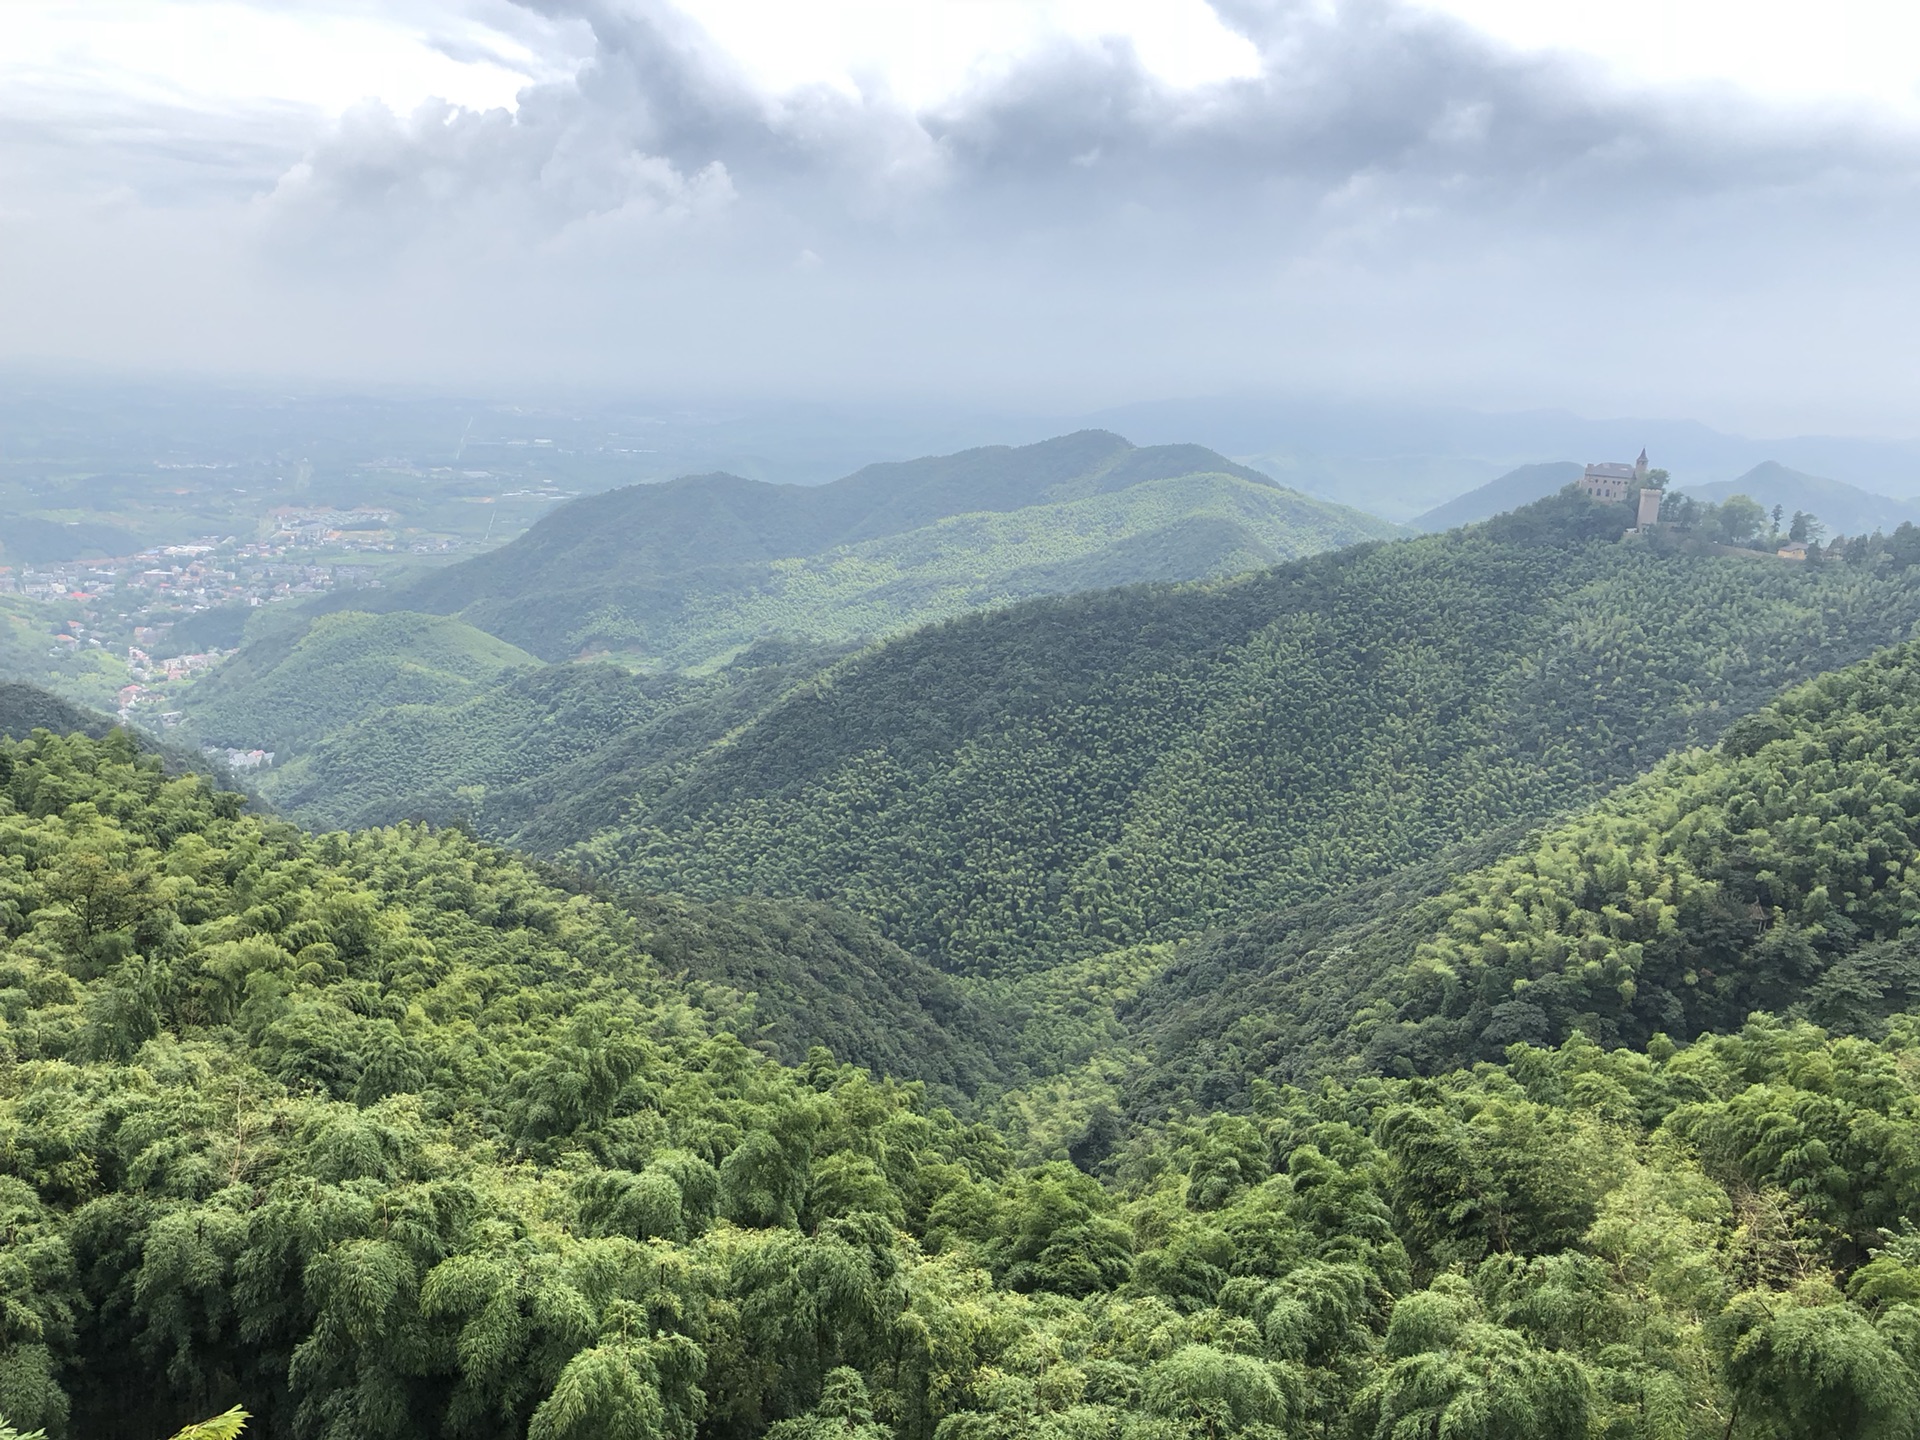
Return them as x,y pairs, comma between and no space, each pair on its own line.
1183,528
703,520
392,703
686,572
1773,871
383,1139
1012,789
538,755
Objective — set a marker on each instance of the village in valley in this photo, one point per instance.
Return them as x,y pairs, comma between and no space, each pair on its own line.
171,612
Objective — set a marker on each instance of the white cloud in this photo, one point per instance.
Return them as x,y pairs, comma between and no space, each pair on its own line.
1086,203
1843,52
323,54
923,52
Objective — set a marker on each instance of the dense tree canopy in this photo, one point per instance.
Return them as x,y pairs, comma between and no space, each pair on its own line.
1770,872
379,1135
1016,789
1514,1101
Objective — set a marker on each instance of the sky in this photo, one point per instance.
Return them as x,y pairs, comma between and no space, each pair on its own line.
1662,207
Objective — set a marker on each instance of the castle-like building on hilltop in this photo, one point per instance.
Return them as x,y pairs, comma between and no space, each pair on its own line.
1610,483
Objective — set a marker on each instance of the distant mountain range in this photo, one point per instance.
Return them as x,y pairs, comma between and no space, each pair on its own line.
1038,784
1842,508
1393,458
690,572
1399,460
1512,490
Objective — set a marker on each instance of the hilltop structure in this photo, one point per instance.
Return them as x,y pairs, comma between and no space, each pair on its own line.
1648,514
1610,483
1613,484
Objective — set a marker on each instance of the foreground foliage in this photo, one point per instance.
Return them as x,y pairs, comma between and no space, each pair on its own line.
379,1136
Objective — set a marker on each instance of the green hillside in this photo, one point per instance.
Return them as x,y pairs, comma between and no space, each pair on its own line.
1780,869
1190,527
415,714
1011,789
542,756
685,573
1770,872
792,974
87,675
381,1136
26,708
308,680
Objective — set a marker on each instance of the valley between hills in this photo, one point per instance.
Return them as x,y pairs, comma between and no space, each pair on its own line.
1077,941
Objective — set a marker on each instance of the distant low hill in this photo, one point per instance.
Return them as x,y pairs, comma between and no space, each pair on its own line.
544,755
26,708
1844,509
290,689
686,573
33,540
220,628
1512,490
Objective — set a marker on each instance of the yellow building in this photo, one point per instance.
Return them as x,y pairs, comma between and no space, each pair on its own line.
1610,483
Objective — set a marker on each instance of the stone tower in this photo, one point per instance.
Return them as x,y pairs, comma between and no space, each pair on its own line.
1650,499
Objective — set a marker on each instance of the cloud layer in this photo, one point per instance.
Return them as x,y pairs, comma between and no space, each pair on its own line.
1394,205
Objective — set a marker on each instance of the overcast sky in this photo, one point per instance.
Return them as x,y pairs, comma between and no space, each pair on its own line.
1666,207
